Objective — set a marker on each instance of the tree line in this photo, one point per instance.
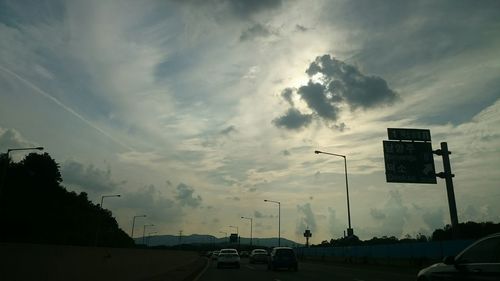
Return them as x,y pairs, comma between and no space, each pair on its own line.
468,230
36,208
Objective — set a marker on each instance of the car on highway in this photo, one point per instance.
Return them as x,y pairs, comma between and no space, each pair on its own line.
244,254
283,257
228,258
479,261
258,256
214,255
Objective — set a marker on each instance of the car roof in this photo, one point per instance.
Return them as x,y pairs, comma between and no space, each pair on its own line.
282,248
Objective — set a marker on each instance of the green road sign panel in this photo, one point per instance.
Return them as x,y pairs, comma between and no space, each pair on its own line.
409,162
409,134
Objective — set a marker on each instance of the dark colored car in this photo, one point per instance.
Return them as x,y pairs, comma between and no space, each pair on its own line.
283,257
259,256
479,261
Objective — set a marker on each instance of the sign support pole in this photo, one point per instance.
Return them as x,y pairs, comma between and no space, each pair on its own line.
448,176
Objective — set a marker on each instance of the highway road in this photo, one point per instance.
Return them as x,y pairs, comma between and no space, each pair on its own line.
308,271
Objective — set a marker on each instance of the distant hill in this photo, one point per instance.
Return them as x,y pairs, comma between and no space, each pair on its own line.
172,240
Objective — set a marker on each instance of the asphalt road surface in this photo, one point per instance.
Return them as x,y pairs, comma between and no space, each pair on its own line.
308,271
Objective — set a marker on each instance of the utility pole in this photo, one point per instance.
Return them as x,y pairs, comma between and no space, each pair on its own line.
448,176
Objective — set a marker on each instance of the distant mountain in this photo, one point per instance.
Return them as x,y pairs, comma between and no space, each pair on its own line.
171,240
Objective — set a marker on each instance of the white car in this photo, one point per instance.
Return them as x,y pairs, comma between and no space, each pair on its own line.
228,257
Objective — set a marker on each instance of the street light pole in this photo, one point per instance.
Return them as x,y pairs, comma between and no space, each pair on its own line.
251,226
144,232
99,226
350,231
105,196
133,224
279,219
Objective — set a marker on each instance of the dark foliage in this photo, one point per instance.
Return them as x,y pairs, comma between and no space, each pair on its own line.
36,208
468,230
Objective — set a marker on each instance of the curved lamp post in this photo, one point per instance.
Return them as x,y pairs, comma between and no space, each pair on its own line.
133,224
350,231
279,219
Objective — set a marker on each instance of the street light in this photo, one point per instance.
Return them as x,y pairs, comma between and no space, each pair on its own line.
251,226
105,196
279,219
350,231
4,172
144,232
133,224
100,225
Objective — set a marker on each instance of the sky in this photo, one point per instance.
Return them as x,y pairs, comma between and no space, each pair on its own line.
195,112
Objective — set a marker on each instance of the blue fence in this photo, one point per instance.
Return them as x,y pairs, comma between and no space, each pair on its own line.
431,250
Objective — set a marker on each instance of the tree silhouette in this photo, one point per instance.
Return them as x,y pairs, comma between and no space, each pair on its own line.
36,208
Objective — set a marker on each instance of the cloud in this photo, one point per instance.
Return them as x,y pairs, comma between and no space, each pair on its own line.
377,214
228,130
434,219
255,31
258,214
332,84
185,196
150,201
346,82
11,138
301,28
246,8
315,97
88,178
335,226
306,219
293,120
287,94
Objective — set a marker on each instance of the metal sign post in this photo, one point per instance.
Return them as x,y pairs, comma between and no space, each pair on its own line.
448,176
409,158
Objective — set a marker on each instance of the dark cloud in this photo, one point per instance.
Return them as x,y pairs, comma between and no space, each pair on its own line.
334,83
287,94
186,197
345,82
258,215
307,219
228,130
88,178
314,94
255,31
248,7
293,120
286,152
301,28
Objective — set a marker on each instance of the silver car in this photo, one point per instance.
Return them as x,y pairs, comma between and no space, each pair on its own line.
228,257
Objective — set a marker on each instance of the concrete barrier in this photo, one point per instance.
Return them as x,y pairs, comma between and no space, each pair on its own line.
56,262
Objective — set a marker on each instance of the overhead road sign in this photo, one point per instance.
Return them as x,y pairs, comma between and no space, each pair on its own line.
409,162
409,134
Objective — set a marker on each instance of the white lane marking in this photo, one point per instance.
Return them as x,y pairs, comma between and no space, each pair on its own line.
358,279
